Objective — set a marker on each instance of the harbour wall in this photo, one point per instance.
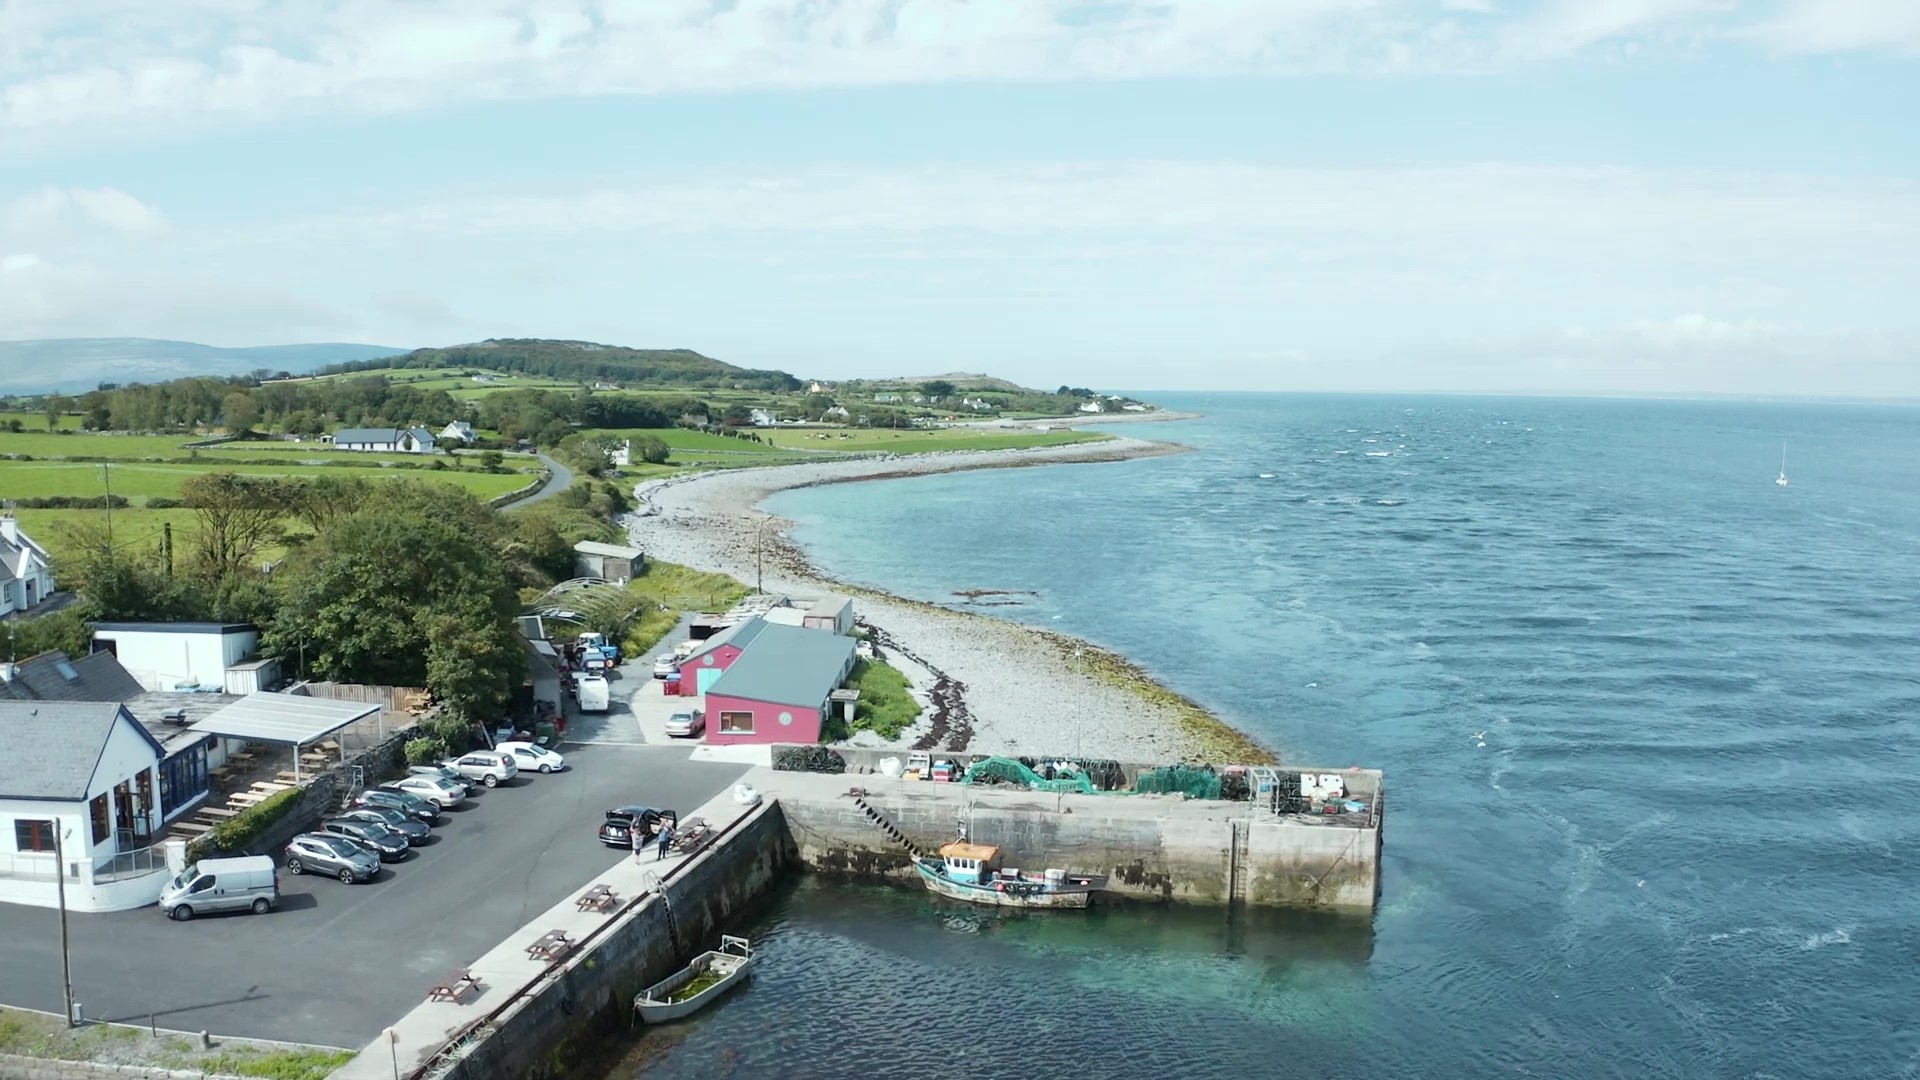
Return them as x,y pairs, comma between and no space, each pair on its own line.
1154,848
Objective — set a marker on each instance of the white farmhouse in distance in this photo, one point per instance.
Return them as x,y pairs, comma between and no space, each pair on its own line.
763,417
26,574
459,429
413,440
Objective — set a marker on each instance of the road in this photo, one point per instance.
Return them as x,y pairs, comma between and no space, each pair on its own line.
559,479
337,963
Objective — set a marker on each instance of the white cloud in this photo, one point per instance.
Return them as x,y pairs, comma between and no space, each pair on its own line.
25,260
53,208
68,69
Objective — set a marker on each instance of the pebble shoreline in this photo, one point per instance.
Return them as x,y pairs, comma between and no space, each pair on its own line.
1001,687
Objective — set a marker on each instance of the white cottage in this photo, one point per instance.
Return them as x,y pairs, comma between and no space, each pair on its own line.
79,798
459,429
26,573
413,440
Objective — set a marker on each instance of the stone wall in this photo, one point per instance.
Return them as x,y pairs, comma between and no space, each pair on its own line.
590,997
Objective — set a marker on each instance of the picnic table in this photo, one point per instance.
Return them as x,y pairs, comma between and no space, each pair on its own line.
286,775
245,799
268,787
217,813
599,898
691,836
552,945
457,982
193,827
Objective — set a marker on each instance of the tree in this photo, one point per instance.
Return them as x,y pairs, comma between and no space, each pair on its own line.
240,411
56,404
490,460
652,449
238,517
937,389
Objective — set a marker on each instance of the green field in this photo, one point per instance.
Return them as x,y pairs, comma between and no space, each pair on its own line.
682,439
135,480
914,441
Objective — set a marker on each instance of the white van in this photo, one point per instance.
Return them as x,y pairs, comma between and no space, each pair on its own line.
248,883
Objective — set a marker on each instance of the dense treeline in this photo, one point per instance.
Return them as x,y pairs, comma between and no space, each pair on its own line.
582,360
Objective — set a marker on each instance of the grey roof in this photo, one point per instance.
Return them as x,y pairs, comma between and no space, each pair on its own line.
54,676
420,433
56,746
176,627
283,718
740,635
616,551
367,434
151,708
787,665
830,606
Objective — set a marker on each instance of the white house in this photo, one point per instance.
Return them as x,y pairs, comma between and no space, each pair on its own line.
413,440
621,455
762,417
837,412
1135,407
86,773
1092,407
459,429
175,656
26,574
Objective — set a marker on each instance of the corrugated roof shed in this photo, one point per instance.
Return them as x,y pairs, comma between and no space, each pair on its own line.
54,746
612,551
788,666
283,718
830,606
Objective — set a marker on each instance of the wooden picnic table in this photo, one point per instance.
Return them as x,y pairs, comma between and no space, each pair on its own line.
457,982
216,812
286,775
552,945
195,827
269,787
599,898
245,799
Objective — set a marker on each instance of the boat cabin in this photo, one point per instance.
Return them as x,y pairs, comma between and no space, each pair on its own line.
969,862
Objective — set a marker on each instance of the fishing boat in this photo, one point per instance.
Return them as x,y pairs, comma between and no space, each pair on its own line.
972,872
697,985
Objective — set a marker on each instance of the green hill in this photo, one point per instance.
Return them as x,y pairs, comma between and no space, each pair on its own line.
585,361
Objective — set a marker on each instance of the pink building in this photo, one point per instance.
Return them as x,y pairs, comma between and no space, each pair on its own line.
715,655
776,689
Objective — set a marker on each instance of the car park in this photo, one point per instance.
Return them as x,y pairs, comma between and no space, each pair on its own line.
415,830
375,837
412,805
431,788
332,856
247,883
529,756
489,767
617,828
444,772
686,723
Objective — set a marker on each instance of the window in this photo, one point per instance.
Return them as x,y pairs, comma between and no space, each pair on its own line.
32,835
102,829
736,723
182,778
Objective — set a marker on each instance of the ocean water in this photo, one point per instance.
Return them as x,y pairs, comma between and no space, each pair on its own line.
1648,722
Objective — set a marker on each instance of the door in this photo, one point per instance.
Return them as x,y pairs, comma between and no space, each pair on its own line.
706,678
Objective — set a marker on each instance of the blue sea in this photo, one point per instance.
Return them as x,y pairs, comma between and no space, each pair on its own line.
1647,718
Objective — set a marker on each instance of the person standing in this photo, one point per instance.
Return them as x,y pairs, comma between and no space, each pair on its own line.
637,838
666,840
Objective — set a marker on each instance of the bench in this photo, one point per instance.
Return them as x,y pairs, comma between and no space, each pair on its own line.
194,828
552,945
245,799
216,813
598,898
457,982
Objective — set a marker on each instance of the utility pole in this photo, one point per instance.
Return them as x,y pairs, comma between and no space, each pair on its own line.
166,544
106,476
60,868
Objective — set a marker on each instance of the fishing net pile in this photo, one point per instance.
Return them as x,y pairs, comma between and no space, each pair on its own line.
1195,782
1000,770
816,759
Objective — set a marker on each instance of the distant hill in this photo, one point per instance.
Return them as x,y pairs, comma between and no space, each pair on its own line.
74,364
587,361
962,380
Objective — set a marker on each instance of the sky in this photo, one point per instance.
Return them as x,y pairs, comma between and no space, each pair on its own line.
1669,196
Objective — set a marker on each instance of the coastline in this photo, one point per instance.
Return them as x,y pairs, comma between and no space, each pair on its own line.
992,685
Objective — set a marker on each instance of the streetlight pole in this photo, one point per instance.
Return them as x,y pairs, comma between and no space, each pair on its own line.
759,564
60,869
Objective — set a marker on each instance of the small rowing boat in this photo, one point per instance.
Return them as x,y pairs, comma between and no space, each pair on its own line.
697,985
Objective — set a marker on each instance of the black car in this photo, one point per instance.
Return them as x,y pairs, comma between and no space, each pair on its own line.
617,829
414,830
411,805
375,837
335,856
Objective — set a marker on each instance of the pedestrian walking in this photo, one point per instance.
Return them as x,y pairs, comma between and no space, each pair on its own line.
666,840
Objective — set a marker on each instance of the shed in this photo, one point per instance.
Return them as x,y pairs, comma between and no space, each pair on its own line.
833,613
250,676
786,616
778,689
177,655
612,562
716,654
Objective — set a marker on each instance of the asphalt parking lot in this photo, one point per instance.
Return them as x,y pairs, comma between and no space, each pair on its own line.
337,963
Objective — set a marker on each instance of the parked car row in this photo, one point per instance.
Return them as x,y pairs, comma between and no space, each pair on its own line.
380,824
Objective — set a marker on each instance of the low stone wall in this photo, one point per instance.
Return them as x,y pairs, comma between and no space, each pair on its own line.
514,496
590,997
15,1067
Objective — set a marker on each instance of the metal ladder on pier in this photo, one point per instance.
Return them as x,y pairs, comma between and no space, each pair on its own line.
880,822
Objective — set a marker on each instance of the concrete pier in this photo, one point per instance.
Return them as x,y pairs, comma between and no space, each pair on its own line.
1153,847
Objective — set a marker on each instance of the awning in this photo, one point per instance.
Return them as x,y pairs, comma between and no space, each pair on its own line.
292,719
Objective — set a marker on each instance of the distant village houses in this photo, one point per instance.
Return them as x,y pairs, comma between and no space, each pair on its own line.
762,417
413,440
1092,407
459,429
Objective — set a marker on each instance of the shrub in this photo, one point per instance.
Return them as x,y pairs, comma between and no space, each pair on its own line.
426,750
453,733
235,833
886,707
164,502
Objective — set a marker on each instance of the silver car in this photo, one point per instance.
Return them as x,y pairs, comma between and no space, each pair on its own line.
336,856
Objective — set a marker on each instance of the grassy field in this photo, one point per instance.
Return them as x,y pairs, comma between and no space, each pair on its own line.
135,480
41,1036
911,441
682,439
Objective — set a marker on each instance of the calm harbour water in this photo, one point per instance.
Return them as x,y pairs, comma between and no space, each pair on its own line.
1685,849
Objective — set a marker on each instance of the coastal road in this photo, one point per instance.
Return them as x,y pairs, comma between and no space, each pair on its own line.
559,479
337,963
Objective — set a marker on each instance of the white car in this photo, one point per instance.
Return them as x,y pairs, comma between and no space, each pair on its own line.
490,767
529,756
434,789
686,723
666,667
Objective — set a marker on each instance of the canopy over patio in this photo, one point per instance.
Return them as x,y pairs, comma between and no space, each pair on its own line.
289,719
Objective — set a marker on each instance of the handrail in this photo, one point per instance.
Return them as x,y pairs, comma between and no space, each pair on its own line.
466,1031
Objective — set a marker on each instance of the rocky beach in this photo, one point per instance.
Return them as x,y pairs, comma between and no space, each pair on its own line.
991,686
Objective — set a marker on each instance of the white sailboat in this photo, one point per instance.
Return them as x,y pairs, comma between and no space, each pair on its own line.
1782,482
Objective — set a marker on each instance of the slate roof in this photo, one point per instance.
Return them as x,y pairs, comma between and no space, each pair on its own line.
366,435
787,665
98,677
56,746
739,635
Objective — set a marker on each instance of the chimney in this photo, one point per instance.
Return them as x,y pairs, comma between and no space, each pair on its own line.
10,529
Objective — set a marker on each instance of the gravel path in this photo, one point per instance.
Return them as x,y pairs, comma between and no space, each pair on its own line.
992,686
